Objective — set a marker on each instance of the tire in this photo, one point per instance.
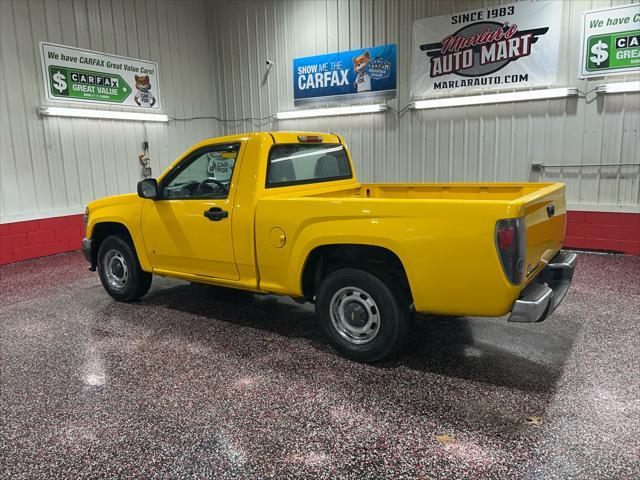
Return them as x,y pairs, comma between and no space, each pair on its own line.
120,271
364,317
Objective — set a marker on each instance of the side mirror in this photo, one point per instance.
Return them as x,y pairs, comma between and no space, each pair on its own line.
148,188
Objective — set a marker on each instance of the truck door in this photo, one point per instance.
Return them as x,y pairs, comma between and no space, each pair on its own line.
188,228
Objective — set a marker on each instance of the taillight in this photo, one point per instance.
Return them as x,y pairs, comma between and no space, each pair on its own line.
511,245
506,236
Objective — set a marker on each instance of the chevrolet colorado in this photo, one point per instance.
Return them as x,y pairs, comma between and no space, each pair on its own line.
283,213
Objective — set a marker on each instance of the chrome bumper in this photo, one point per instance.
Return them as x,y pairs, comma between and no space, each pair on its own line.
544,294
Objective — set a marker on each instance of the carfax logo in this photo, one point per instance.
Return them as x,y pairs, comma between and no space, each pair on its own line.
379,68
480,49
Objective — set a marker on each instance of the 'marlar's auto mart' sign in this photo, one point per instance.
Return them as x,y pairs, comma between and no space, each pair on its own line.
506,46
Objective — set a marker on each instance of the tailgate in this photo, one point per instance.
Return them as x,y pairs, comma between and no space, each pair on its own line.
545,215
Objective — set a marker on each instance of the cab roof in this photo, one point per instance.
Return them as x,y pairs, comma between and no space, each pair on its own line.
277,137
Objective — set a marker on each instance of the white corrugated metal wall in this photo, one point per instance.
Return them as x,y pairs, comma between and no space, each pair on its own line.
211,58
53,166
479,143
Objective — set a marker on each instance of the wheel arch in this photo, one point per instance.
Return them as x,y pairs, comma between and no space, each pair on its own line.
376,259
102,230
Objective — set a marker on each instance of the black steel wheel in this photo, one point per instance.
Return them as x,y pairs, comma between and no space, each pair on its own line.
363,316
120,270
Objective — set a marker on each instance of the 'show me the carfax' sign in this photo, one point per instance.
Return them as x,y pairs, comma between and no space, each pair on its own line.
76,75
610,41
353,74
499,47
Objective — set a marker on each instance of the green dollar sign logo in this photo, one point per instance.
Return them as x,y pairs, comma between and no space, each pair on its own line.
600,53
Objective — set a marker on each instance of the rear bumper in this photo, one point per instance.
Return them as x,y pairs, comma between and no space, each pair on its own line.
544,294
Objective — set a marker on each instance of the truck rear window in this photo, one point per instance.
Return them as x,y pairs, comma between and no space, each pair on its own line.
299,163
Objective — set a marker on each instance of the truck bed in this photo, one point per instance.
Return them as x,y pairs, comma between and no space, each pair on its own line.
544,233
445,234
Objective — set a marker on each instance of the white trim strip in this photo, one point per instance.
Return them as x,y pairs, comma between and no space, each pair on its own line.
594,207
39,215
620,87
522,96
331,112
102,114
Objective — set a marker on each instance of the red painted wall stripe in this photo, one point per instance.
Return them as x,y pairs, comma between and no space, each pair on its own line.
617,232
39,238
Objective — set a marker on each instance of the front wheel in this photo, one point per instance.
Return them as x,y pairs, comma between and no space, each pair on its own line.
120,270
365,318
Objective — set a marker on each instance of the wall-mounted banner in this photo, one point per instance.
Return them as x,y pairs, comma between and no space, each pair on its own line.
502,47
353,74
74,75
610,41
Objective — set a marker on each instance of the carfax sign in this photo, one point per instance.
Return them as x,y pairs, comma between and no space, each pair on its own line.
499,47
610,41
356,73
75,75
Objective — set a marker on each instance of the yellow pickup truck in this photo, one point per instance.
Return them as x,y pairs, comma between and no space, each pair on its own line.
282,213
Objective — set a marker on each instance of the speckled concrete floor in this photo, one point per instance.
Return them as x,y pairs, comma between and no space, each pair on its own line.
202,382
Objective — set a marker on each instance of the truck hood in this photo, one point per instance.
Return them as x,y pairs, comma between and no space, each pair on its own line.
115,200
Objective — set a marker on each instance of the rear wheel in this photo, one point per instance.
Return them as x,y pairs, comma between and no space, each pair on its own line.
364,317
120,270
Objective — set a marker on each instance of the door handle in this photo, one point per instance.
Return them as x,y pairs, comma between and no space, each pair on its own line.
215,214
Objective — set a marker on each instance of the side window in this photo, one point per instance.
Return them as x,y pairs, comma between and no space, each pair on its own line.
206,173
